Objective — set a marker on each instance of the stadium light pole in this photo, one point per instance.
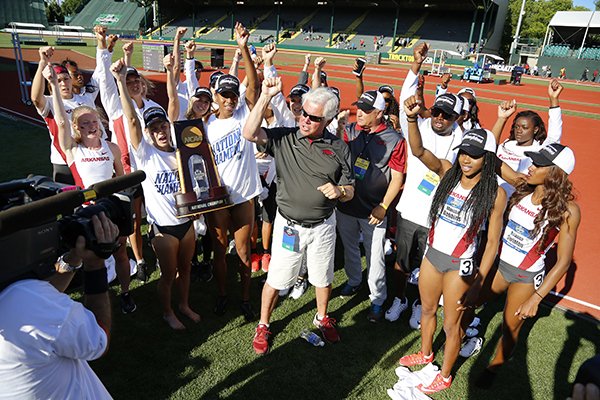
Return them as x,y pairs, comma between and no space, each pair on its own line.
278,4
513,46
395,27
331,24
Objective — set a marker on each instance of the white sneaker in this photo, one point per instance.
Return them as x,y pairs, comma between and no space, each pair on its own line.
299,288
471,347
413,279
415,317
473,329
397,308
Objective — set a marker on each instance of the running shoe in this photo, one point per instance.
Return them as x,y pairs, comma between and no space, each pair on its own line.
414,277
255,262
349,290
415,316
221,305
247,311
260,343
142,273
375,313
415,359
474,327
439,383
266,260
470,347
127,304
299,288
327,327
397,308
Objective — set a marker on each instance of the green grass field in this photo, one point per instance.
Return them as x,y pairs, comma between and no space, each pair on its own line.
214,359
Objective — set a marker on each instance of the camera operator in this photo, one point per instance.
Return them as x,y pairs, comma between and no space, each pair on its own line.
46,338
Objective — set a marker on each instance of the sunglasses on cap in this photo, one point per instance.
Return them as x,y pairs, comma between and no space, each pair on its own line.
435,112
313,118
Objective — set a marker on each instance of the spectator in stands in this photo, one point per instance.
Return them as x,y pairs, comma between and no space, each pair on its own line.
378,154
234,157
315,174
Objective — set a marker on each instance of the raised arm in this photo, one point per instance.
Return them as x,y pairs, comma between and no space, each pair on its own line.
566,246
191,80
505,110
119,71
170,66
554,113
37,86
235,63
411,109
358,81
303,78
253,131
242,36
65,140
176,54
316,76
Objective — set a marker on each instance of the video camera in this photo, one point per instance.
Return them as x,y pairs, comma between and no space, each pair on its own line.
39,218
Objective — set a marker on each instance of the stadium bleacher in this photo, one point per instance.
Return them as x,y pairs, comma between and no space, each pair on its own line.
32,11
119,17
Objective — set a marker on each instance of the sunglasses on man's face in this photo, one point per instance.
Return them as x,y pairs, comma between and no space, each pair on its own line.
435,112
313,118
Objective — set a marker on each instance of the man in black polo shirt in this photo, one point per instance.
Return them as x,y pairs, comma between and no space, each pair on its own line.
313,174
379,161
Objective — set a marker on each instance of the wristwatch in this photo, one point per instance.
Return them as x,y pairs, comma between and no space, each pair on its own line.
63,266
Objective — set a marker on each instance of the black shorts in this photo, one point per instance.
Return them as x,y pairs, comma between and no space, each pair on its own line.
411,240
62,174
177,231
269,208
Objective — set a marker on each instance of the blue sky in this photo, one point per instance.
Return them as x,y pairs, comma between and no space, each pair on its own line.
586,3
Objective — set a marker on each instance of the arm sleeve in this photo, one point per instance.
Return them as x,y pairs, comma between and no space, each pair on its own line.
109,94
190,77
270,72
80,336
398,159
303,78
95,79
347,177
409,88
554,126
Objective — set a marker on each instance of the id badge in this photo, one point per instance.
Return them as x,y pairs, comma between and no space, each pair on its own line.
291,239
429,183
360,168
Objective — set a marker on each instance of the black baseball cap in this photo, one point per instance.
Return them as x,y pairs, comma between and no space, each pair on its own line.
386,88
203,91
299,90
214,77
476,142
132,71
323,76
370,100
228,83
448,103
154,114
335,91
554,154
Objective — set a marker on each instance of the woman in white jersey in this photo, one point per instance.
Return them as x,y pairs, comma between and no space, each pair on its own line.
172,238
91,159
234,158
540,212
527,132
467,197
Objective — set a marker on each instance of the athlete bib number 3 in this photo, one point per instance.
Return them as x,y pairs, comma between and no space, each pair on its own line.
466,267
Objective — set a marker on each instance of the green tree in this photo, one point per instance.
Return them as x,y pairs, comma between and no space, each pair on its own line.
54,12
71,7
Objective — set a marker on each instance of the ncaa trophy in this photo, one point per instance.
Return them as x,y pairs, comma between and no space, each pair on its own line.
201,188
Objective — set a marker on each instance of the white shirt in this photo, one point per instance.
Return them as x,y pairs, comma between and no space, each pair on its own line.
234,155
92,166
161,183
45,341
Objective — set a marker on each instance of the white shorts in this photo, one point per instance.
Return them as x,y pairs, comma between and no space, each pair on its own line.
319,245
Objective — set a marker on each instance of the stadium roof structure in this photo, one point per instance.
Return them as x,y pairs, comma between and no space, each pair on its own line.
576,19
572,27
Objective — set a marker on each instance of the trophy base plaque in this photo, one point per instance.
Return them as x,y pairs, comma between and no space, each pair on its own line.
188,204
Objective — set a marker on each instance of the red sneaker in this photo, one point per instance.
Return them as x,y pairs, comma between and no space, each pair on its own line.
261,339
415,359
255,262
266,260
327,328
439,383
